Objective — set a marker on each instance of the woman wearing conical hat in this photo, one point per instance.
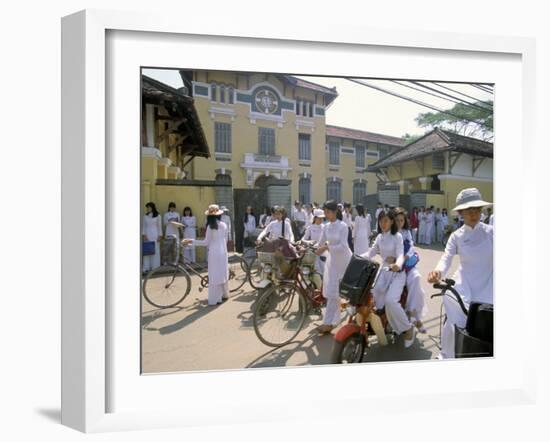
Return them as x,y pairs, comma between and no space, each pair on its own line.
216,241
473,243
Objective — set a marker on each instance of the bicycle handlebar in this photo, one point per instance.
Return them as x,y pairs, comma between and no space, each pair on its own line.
448,284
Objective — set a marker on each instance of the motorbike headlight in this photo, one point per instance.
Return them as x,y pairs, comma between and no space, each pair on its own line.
351,310
306,271
267,268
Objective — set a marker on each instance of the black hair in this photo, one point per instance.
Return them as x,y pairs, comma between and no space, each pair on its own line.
212,221
333,207
360,210
401,211
171,204
267,211
391,215
153,208
186,209
245,218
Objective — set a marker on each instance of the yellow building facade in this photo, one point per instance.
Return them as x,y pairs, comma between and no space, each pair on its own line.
433,170
261,126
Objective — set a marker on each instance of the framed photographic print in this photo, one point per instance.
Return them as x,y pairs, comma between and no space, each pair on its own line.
263,214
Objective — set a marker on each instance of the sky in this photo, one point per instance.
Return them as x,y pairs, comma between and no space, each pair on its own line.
363,108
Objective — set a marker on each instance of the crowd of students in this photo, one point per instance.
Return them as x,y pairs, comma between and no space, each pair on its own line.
338,234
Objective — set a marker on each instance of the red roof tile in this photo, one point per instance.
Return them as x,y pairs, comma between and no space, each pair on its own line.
354,134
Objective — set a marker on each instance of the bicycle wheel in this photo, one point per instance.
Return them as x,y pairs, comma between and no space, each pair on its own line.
238,273
279,315
166,286
255,275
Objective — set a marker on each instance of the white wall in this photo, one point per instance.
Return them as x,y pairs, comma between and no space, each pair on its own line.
463,166
30,75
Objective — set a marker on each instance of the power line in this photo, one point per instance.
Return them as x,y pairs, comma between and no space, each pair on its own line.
463,94
424,92
482,88
420,103
448,95
451,98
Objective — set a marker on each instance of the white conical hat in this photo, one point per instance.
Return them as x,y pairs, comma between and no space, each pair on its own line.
470,198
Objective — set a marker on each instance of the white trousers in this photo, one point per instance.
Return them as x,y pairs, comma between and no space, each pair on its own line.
332,312
189,253
217,292
455,316
387,292
416,305
151,262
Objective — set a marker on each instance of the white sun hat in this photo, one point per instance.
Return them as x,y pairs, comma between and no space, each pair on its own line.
224,209
319,213
213,209
470,198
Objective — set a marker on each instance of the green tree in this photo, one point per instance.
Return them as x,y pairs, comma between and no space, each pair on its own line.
463,119
408,138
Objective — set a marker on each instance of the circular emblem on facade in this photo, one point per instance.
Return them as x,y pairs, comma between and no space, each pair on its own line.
266,101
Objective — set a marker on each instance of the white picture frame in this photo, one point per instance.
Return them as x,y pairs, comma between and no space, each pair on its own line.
87,173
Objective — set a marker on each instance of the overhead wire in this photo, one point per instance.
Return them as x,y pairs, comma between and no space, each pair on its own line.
482,88
418,102
451,96
424,92
462,93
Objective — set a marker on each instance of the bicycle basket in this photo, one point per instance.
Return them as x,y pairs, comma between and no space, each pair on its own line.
285,268
358,279
309,258
265,257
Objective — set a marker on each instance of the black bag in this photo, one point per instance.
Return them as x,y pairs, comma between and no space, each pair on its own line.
358,279
476,339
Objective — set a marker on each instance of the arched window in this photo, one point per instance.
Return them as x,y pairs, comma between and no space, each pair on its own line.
213,92
223,178
222,94
359,191
304,190
230,95
334,191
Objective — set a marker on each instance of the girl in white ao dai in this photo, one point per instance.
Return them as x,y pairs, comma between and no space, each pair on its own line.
313,233
218,268
189,232
389,286
151,230
416,304
333,242
473,243
361,230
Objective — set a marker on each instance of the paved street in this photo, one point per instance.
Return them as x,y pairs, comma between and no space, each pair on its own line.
195,336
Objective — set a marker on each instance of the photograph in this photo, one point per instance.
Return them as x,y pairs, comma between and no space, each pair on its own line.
299,220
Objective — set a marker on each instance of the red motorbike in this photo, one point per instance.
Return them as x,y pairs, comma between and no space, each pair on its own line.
363,319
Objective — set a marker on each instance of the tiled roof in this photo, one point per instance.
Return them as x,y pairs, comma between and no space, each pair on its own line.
300,82
154,91
436,141
354,134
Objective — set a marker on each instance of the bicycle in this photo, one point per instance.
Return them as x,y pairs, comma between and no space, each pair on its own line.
281,311
168,285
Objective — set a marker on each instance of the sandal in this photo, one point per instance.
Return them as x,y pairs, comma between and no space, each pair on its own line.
324,329
421,328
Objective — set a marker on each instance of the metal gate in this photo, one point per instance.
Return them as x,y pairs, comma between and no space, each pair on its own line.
257,199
